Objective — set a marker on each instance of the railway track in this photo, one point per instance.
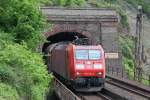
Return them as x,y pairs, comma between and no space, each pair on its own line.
89,96
137,90
103,95
121,90
106,94
94,96
66,94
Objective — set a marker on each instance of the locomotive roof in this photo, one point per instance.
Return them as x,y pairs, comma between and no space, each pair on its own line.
88,47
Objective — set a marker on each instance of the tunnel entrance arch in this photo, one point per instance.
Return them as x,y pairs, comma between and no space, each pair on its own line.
66,36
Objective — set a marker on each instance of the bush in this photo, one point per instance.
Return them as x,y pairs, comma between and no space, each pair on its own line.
8,93
5,38
123,18
23,20
21,30
7,74
127,46
128,63
24,70
67,3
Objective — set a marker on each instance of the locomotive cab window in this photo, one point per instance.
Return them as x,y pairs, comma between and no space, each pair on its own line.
81,54
94,54
88,54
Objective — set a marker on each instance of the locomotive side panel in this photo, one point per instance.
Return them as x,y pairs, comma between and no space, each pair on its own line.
60,62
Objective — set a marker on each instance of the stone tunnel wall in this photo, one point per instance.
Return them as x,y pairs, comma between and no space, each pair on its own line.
110,42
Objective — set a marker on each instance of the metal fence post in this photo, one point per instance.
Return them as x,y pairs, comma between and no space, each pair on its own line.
139,74
112,70
117,71
108,69
128,74
134,77
122,72
149,80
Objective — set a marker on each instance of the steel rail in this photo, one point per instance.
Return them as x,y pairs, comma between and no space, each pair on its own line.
92,96
129,87
105,94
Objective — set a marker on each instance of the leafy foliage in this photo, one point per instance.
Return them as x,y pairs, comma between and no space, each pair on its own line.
67,3
8,93
23,20
127,46
5,38
24,70
124,19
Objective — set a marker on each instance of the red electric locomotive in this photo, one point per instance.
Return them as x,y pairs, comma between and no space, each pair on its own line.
81,66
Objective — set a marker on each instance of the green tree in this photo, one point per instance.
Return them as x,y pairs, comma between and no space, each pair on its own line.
23,20
68,3
21,28
8,93
25,71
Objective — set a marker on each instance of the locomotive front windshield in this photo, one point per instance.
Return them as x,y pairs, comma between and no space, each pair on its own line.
82,54
88,54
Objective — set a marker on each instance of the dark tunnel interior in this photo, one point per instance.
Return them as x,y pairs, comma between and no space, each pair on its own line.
63,36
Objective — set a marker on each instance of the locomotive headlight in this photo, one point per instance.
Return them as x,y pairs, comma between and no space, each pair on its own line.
99,73
97,66
79,66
